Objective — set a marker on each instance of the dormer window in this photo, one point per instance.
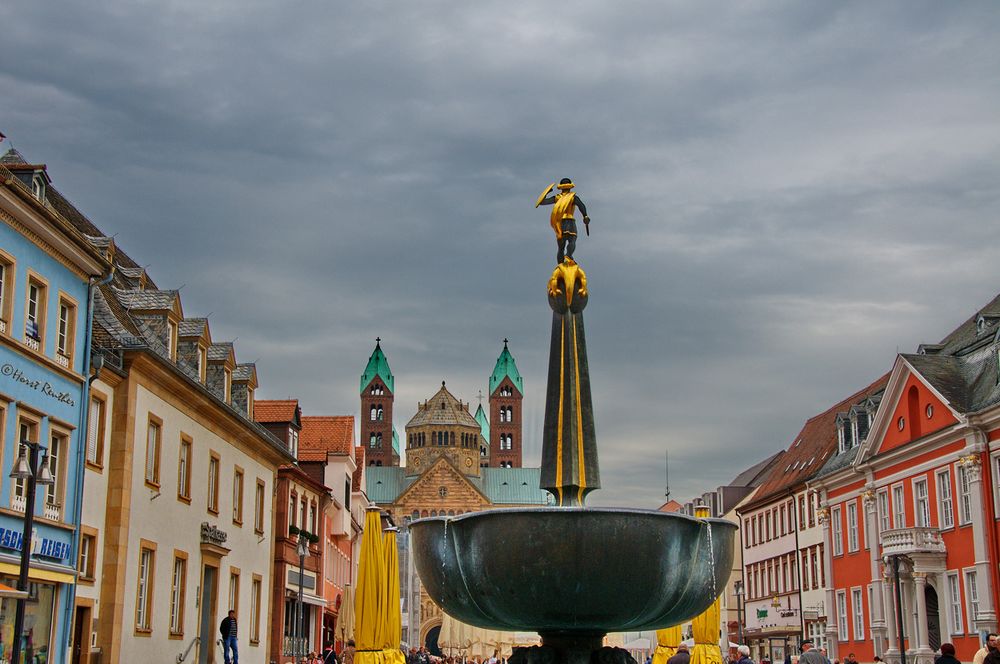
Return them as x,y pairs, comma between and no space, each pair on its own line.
38,186
250,403
228,385
861,426
172,340
202,362
293,442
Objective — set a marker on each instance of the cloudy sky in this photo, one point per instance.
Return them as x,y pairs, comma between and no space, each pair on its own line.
783,194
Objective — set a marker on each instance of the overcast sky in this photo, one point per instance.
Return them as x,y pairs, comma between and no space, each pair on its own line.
783,194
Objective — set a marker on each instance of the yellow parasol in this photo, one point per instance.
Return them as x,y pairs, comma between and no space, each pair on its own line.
667,641
391,610
706,637
369,598
345,621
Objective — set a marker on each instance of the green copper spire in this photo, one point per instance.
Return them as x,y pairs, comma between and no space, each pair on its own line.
484,424
378,366
506,367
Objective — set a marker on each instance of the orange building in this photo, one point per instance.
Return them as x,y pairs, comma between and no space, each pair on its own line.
919,489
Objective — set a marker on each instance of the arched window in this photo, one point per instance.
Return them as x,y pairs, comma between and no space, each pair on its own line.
424,513
379,413
416,514
451,512
374,413
378,463
913,414
452,438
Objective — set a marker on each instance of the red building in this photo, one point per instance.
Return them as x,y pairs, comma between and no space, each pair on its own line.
919,489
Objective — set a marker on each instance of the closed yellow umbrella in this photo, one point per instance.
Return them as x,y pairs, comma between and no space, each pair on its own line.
393,618
706,637
345,621
667,641
369,598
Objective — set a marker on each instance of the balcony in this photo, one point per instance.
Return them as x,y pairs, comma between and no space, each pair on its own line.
31,343
17,503
62,360
906,541
52,511
294,645
3,326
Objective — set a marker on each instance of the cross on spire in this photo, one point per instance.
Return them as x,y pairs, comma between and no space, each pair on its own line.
505,342
378,339
480,398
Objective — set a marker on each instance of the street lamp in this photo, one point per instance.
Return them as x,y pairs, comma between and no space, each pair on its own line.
738,589
302,548
28,469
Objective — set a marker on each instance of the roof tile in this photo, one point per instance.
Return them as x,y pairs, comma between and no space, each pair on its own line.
326,433
266,410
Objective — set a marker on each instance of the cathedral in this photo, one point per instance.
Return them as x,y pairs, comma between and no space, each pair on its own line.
455,462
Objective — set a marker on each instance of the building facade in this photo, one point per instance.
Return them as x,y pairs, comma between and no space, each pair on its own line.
47,267
923,485
506,394
377,396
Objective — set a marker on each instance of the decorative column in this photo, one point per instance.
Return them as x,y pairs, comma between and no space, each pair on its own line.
985,618
893,646
877,610
920,598
823,516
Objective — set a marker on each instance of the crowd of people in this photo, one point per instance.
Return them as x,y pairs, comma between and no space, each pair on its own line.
988,654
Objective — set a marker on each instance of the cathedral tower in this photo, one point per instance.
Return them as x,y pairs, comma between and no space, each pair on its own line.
377,393
506,393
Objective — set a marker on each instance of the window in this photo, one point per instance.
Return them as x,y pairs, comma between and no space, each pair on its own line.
34,314
153,452
862,426
972,599
841,615
213,483
238,496
292,505
784,520
837,531
954,604
946,507
202,362
67,328
812,509
234,589
87,561
54,491
95,432
882,503
859,614
249,403
312,519
852,527
255,592
28,431
6,288
293,440
228,395
144,588
921,503
184,470
898,507
964,499
802,512
302,514
171,340
258,508
178,583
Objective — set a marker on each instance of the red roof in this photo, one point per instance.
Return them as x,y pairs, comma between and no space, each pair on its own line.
670,506
359,461
810,450
275,410
325,433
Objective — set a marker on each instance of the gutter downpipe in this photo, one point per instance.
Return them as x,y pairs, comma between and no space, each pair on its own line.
81,449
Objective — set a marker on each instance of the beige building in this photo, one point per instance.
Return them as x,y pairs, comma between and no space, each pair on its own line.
177,525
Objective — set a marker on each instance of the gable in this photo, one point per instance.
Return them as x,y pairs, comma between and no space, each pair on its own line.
425,491
913,411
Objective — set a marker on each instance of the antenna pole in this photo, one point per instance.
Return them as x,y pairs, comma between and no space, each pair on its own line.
666,470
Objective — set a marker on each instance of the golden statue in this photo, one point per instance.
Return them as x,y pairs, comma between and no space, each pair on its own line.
563,219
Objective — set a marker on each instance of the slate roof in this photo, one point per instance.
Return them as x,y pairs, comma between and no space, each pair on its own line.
506,367
378,365
220,351
146,300
245,372
967,333
811,449
755,474
192,327
271,410
325,433
442,409
484,424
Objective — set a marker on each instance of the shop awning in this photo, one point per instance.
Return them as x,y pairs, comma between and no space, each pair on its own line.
308,598
38,574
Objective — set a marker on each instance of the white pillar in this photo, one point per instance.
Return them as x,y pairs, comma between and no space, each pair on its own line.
823,515
890,623
919,590
986,618
877,611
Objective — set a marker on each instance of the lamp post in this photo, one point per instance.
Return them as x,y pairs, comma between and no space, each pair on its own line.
302,548
738,589
28,469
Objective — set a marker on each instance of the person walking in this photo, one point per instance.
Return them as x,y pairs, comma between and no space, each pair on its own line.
991,644
348,657
744,653
810,655
228,630
682,656
947,655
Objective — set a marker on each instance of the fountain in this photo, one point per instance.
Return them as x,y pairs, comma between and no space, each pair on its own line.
569,572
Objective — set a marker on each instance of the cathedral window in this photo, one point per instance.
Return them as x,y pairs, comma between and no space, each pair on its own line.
379,413
373,414
375,441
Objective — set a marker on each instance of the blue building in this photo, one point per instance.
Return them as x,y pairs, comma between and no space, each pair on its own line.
48,270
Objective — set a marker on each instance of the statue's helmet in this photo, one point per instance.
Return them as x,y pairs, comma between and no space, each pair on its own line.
565,184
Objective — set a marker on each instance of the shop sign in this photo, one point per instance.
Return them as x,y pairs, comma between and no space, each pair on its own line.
761,614
48,548
44,387
212,535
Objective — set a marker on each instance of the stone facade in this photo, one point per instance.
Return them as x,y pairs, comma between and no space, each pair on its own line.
376,423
